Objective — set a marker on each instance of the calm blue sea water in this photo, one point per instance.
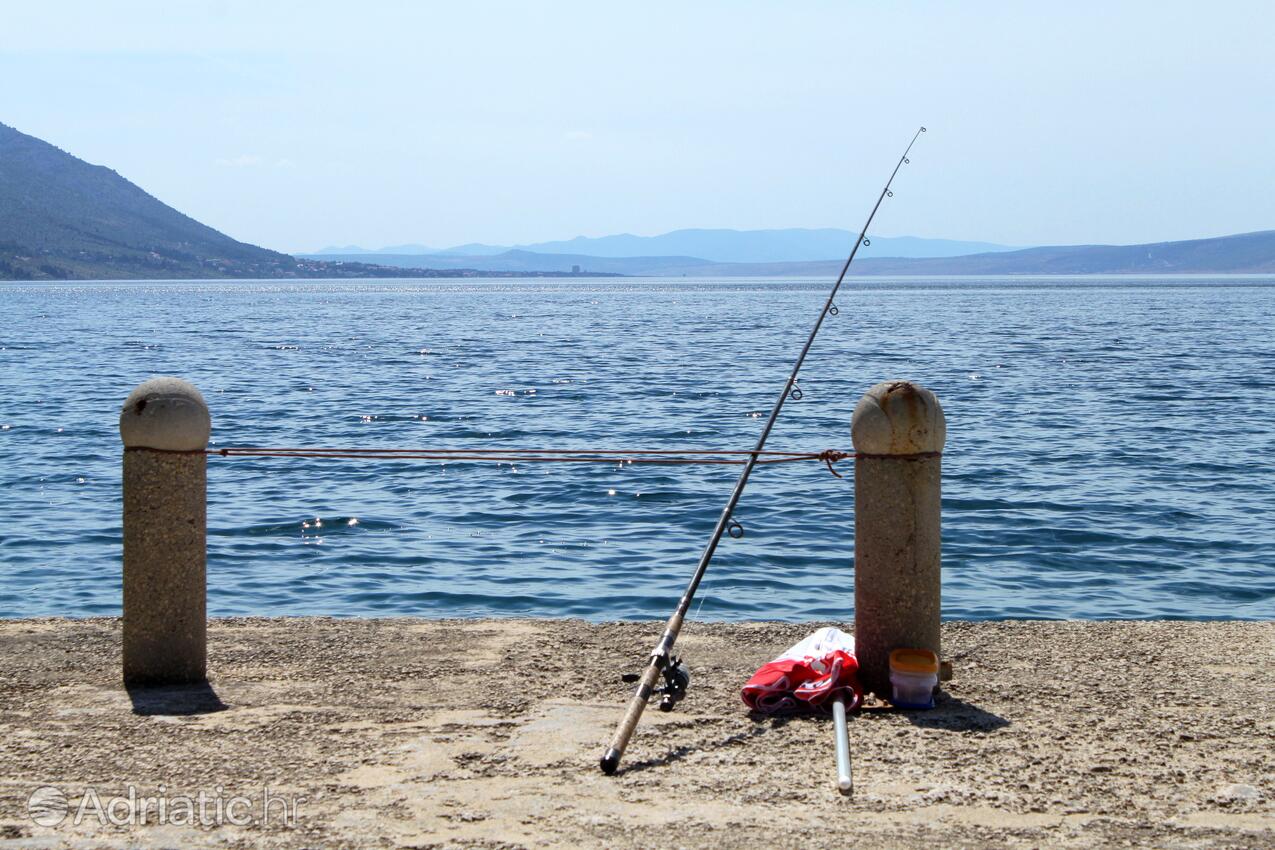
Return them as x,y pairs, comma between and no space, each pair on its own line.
1111,443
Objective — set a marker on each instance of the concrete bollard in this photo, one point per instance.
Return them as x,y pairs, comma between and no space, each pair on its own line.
898,430
165,427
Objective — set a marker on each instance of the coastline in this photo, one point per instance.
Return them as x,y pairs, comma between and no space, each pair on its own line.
879,278
486,733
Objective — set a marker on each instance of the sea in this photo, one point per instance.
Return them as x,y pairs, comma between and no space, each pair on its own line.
1110,452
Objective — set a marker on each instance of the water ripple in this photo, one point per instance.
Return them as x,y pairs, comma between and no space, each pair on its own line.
1110,451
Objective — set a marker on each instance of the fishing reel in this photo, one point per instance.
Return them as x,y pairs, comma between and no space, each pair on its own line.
677,678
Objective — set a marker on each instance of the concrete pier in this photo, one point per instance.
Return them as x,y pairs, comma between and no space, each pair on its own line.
165,427
410,733
898,430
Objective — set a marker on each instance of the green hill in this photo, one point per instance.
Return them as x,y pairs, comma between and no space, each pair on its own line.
61,217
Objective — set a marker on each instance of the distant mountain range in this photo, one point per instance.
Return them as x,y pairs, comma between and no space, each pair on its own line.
1248,253
716,246
1244,253
62,218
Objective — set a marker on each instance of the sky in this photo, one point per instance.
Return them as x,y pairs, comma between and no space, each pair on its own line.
299,125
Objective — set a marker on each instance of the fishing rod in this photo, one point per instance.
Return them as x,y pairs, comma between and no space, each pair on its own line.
662,662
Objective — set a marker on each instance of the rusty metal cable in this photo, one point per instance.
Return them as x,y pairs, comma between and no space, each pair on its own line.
620,456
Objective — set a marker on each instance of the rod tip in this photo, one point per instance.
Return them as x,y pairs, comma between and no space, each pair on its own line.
610,761
845,787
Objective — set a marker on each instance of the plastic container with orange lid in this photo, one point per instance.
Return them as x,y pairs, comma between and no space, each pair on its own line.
914,674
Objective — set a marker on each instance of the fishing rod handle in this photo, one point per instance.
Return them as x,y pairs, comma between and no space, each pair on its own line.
623,732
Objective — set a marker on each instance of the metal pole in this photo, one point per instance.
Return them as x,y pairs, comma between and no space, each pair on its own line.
845,783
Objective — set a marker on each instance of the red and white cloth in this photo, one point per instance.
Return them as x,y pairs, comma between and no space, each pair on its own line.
805,678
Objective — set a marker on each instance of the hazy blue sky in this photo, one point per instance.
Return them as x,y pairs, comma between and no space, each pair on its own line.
296,125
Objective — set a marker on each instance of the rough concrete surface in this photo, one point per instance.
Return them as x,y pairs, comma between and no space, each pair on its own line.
898,571
165,553
486,733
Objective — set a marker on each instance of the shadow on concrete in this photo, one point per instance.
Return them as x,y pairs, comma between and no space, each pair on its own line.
761,725
195,698
955,715
949,712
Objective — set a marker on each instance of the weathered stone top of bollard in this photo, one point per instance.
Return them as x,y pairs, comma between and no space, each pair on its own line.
898,418
167,414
